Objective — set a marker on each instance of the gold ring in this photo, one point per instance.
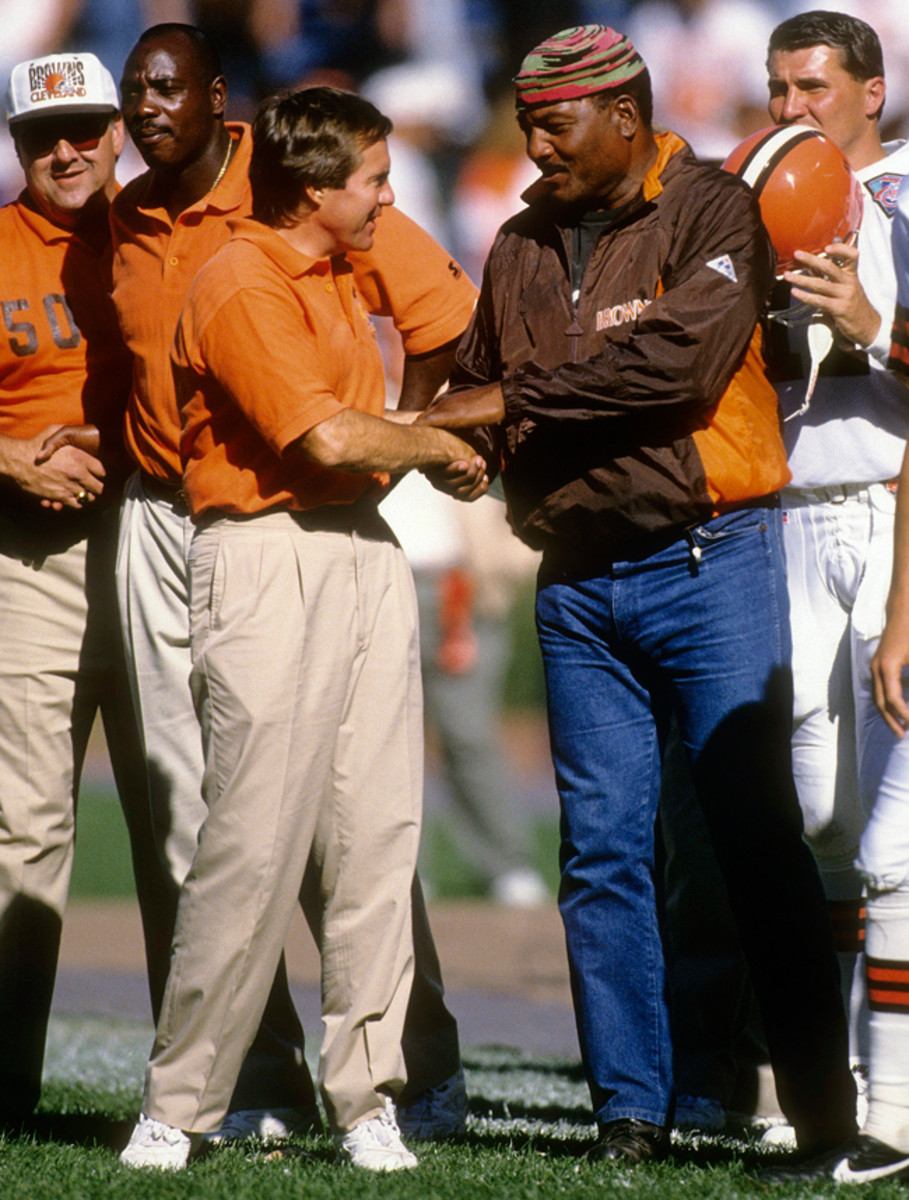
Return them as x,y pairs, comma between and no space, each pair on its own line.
81,496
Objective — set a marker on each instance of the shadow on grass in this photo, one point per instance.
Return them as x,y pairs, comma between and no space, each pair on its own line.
74,1129
701,1152
529,1115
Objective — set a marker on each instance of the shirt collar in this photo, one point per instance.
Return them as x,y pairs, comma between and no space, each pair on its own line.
292,262
48,231
232,191
668,145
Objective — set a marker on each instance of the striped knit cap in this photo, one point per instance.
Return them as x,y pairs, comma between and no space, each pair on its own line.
576,62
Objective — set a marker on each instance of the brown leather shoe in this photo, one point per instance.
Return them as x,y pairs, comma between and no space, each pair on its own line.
630,1141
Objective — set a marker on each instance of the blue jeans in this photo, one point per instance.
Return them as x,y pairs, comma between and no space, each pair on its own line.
717,1039
698,629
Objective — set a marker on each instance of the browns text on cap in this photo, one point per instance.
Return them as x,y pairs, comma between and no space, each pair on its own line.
59,84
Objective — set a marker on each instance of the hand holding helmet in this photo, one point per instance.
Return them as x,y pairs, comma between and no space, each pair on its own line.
808,195
811,204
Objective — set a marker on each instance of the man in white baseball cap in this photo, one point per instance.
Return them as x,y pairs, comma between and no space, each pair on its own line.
64,116
62,361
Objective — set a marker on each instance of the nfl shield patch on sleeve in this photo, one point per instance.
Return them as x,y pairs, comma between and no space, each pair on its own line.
723,266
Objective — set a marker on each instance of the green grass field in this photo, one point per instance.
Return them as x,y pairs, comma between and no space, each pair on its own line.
529,1125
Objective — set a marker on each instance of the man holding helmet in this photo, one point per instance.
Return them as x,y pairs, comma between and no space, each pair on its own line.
826,72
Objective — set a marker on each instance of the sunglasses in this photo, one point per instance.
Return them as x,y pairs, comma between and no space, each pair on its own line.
83,131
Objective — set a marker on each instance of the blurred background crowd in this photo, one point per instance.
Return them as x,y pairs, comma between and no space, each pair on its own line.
441,69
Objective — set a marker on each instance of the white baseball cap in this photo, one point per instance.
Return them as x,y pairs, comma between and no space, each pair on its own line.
58,84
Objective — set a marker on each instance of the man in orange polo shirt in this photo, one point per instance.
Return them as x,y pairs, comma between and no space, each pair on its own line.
62,361
303,626
166,225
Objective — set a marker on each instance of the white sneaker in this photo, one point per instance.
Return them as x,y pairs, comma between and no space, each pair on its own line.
520,888
265,1125
375,1145
782,1136
439,1113
154,1144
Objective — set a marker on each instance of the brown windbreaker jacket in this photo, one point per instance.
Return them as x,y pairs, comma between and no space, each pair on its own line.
644,408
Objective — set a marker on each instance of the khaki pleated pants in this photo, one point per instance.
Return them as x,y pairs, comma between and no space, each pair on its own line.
61,663
306,681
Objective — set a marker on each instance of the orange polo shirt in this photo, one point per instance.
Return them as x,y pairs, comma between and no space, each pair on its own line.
406,276
62,360
269,344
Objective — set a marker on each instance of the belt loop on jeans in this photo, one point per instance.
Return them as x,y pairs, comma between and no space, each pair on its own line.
694,550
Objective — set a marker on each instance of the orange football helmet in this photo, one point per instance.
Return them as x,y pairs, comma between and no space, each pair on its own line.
808,195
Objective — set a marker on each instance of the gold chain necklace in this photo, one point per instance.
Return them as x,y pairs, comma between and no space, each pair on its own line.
220,175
